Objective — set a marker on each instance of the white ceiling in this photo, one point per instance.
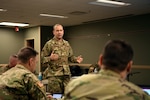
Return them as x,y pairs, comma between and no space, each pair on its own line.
27,11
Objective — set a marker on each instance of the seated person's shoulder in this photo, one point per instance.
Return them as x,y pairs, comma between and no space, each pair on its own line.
3,65
93,67
3,68
134,90
85,78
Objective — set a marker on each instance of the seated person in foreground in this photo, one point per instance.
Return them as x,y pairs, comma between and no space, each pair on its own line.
110,83
19,82
12,63
94,68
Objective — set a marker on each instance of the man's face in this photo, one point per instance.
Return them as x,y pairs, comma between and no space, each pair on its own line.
58,32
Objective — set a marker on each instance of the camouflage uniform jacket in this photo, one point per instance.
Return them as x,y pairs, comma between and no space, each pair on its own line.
4,69
59,67
107,85
19,83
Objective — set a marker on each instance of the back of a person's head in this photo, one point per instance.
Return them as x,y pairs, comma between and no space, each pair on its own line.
26,53
117,54
13,60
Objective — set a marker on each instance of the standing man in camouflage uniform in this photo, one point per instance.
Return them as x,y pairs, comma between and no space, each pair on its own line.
110,83
12,63
19,83
55,56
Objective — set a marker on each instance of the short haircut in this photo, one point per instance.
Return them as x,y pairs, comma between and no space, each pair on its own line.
56,26
14,56
117,54
26,53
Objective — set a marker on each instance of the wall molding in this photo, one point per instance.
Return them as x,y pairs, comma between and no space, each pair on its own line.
133,66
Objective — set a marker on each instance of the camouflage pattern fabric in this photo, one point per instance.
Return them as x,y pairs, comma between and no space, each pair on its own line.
4,69
4,94
59,67
106,85
57,84
19,83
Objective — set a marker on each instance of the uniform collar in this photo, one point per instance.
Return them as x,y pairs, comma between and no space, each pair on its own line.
54,38
21,67
109,73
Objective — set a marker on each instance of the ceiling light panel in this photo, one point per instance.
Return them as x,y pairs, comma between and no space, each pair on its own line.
56,16
2,10
109,3
14,24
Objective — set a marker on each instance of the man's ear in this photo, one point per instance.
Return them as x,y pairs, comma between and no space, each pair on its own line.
129,66
53,32
30,61
100,60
